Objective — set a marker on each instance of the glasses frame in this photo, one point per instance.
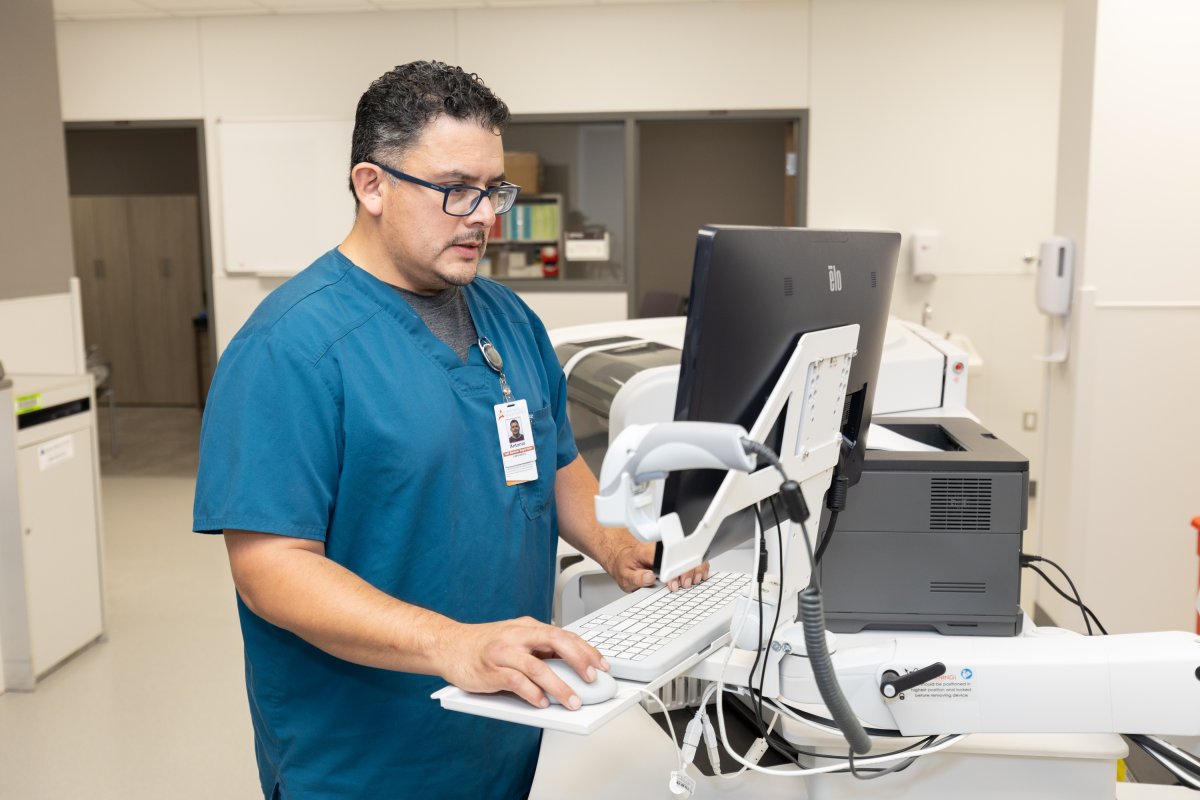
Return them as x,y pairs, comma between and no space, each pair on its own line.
446,190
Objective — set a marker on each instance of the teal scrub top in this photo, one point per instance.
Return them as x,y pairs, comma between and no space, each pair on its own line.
336,415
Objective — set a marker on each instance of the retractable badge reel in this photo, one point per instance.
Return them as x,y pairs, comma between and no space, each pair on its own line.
492,356
517,450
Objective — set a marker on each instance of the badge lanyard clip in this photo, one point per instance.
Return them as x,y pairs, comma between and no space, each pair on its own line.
492,356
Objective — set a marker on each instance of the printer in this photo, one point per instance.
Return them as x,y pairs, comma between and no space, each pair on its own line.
931,535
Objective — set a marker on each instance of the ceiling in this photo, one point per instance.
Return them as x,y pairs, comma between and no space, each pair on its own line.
150,9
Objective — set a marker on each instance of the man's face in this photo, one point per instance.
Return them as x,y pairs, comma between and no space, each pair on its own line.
430,249
515,427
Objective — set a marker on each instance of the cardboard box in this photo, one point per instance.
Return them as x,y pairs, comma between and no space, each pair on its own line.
525,170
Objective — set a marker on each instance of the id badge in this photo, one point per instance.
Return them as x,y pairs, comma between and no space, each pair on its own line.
517,450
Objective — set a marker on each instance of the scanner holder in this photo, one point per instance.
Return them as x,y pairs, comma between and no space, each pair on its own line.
809,395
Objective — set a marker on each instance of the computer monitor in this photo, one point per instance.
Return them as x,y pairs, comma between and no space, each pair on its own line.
755,292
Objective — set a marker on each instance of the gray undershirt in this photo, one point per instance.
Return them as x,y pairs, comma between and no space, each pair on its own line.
447,316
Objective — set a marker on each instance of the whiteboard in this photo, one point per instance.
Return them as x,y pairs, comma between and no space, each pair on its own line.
284,192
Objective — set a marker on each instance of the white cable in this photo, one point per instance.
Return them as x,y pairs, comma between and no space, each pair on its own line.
670,727
798,773
791,713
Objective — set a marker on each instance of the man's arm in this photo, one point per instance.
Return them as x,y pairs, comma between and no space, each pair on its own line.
291,584
627,559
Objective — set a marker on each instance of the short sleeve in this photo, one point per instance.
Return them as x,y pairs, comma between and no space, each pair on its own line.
270,444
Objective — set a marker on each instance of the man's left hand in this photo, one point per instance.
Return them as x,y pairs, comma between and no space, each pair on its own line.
632,567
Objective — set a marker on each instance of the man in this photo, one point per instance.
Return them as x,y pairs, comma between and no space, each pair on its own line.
514,432
350,457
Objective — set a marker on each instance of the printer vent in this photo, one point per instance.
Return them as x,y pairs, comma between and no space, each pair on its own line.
788,288
960,504
970,587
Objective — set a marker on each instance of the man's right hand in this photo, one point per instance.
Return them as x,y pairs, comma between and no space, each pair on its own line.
507,656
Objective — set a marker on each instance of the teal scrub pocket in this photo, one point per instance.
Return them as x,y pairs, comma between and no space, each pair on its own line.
536,495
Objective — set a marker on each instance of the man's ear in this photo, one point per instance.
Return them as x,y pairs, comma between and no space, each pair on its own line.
368,187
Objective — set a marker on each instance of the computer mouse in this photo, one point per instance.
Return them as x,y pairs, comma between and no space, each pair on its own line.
599,690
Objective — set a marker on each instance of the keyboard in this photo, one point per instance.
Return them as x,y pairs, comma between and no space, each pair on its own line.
645,633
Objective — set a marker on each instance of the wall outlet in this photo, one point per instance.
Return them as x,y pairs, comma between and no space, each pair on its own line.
1029,421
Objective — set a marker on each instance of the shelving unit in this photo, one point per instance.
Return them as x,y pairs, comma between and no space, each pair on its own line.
514,248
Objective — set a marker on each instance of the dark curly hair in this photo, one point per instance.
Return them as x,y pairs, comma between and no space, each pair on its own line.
398,105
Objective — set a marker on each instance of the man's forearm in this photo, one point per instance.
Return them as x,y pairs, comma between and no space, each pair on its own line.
300,590
290,583
575,491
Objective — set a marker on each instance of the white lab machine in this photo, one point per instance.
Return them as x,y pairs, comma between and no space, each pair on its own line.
51,603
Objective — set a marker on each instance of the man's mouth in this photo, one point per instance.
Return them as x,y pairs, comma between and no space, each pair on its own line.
469,245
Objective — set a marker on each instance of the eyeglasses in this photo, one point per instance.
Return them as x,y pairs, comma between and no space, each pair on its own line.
461,201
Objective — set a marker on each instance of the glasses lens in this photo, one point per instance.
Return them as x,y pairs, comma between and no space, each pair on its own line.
503,197
461,202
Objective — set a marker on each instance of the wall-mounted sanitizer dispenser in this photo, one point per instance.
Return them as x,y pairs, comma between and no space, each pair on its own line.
1056,266
1055,280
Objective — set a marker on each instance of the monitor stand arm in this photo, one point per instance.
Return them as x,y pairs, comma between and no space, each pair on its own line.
809,396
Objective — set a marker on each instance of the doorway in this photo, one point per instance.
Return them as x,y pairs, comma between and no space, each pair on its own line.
693,173
138,216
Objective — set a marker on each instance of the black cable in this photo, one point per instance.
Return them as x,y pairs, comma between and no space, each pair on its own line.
812,616
762,679
794,752
1027,563
878,733
1086,612
826,536
1076,601
813,580
756,698
1070,583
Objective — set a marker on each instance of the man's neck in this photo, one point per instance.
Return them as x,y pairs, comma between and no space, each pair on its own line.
365,251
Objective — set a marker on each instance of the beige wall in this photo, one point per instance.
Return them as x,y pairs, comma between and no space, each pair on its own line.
35,226
1123,477
926,117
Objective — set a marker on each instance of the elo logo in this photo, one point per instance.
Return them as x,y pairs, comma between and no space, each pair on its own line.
835,279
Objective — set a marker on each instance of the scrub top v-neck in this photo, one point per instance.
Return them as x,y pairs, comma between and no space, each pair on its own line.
337,415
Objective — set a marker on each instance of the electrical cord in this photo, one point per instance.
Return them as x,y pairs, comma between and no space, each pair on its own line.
1071,583
756,698
818,657
825,537
667,716
1029,561
812,611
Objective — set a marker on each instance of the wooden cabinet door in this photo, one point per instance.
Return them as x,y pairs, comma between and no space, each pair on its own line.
138,261
165,259
100,229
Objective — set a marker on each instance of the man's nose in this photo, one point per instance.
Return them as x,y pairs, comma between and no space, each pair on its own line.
484,214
